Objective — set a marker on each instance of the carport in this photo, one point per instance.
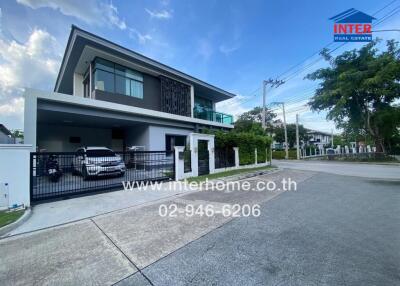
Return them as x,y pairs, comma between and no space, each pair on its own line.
65,127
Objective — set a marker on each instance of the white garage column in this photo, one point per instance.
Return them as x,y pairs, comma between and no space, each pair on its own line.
194,147
15,173
30,119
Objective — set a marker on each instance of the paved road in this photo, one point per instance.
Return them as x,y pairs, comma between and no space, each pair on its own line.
334,230
366,170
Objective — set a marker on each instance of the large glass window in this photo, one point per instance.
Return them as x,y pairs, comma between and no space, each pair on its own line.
104,80
202,104
122,85
137,89
117,79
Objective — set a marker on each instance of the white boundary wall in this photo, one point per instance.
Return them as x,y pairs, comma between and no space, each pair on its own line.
15,172
194,137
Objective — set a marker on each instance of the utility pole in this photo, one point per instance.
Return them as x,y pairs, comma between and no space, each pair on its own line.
284,126
331,138
297,137
273,83
264,110
264,126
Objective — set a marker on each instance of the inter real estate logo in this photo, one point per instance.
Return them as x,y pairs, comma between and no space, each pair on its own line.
352,26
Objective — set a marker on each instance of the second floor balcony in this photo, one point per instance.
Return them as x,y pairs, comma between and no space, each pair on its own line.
211,115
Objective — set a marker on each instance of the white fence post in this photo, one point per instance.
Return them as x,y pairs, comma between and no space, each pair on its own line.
266,155
211,156
179,163
237,162
255,156
15,179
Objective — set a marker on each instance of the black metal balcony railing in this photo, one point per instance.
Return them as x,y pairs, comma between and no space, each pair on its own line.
211,115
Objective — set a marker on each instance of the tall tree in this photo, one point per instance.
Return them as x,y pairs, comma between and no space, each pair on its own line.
251,121
359,90
279,133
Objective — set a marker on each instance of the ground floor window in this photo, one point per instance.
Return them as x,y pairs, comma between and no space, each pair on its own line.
174,140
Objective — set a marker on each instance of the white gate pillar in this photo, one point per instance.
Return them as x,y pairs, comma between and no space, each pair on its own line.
179,163
211,155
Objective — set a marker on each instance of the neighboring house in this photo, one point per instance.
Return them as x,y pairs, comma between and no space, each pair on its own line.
107,95
6,135
319,138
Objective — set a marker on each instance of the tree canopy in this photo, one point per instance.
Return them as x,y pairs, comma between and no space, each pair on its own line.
359,90
251,121
291,134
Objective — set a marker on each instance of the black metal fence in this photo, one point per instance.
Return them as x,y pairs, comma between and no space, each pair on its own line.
61,174
224,158
187,161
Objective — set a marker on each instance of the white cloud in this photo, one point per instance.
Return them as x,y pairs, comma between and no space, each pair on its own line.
34,63
14,106
225,49
163,14
232,106
142,38
89,11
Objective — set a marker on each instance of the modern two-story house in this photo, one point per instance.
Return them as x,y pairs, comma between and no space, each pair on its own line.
319,138
107,95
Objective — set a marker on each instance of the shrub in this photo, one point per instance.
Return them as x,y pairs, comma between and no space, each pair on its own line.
247,142
280,154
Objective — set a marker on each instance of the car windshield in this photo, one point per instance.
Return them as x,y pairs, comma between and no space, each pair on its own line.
100,153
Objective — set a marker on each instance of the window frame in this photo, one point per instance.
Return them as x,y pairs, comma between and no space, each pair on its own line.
134,73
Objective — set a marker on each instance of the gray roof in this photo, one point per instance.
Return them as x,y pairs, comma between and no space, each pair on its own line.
79,39
319,132
4,130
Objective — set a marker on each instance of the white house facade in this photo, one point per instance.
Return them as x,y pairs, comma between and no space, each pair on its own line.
107,95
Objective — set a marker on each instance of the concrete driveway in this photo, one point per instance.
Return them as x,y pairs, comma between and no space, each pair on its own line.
333,230
365,170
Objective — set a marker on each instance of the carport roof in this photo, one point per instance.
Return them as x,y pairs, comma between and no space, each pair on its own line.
79,39
53,105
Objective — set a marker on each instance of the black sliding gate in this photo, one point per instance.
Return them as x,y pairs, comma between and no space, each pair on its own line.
63,174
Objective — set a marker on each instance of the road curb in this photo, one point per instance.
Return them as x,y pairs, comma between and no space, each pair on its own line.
10,227
250,175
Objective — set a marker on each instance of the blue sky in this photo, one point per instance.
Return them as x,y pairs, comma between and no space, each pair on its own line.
231,44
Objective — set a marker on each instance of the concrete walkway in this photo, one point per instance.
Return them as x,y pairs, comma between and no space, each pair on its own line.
59,212
64,211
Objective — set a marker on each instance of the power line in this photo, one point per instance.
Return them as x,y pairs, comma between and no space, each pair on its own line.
384,18
294,74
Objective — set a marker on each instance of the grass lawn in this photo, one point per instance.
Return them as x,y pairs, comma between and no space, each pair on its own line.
9,217
227,174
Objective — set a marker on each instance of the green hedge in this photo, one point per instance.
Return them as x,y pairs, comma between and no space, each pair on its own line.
246,142
280,154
